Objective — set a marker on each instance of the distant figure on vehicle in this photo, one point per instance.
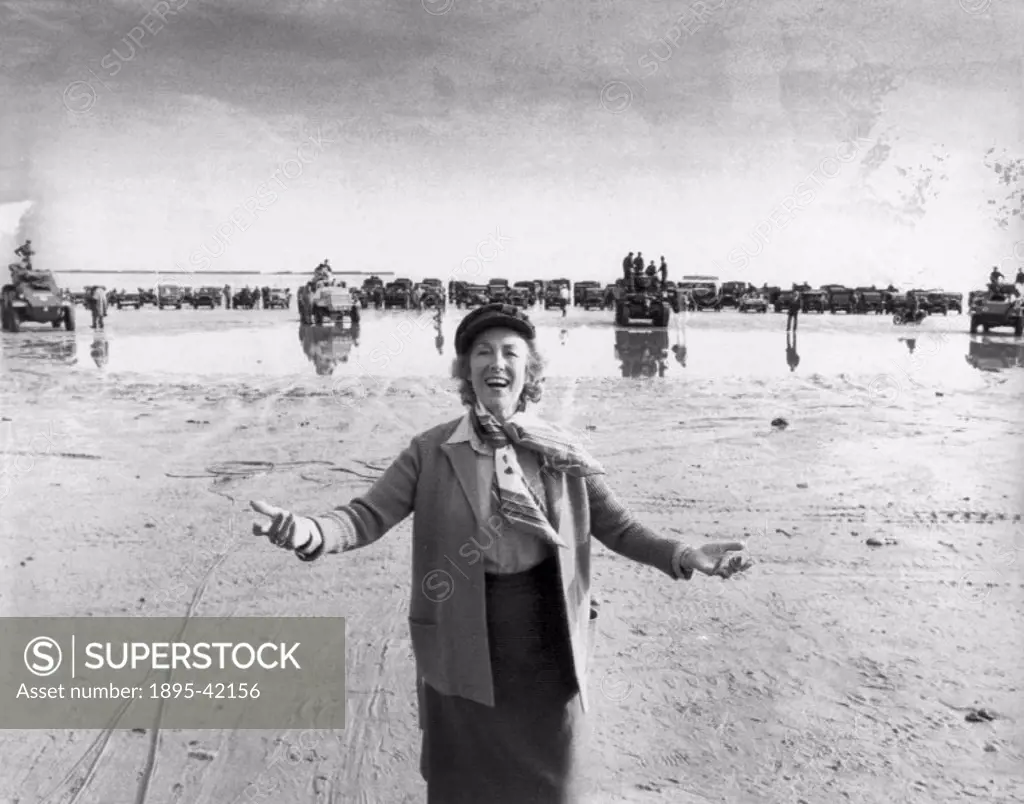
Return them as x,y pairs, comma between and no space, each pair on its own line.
26,252
993,279
663,270
627,266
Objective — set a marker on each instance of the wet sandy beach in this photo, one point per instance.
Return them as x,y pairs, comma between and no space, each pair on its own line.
837,670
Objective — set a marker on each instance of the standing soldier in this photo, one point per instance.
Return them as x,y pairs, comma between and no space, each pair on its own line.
627,268
794,310
663,270
98,306
25,252
227,297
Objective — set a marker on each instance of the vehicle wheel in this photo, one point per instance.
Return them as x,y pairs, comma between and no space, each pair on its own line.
985,328
621,315
69,319
119,305
666,314
56,324
13,322
355,315
896,319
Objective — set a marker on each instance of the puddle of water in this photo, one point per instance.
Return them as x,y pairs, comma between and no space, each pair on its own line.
399,344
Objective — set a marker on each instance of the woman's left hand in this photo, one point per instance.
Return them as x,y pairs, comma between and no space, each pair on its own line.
718,558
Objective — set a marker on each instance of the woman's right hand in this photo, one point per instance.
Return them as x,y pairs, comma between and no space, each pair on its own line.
285,530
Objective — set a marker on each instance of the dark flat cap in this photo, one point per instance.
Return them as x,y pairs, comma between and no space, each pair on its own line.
491,316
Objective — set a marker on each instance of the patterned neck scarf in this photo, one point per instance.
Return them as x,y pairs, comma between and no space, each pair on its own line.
519,505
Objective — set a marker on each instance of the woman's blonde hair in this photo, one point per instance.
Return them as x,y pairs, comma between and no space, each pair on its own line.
532,387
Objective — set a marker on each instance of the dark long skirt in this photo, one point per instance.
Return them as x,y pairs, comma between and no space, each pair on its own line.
524,749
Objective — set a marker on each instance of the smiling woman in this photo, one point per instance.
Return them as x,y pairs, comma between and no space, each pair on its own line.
509,503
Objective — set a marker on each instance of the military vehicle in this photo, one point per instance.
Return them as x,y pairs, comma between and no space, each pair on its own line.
398,294
702,291
518,296
431,296
996,310
128,298
280,299
955,301
753,302
553,297
207,297
592,297
472,296
579,291
531,291
33,296
731,293
814,301
335,304
840,297
870,300
497,290
170,296
649,303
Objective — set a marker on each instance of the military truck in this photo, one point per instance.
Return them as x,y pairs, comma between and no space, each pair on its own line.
33,296
814,301
531,291
206,297
839,298
398,294
472,296
170,296
579,291
870,300
497,290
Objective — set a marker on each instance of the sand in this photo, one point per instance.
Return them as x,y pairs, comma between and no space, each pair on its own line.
834,671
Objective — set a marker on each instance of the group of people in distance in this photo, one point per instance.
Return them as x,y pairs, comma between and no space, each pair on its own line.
633,269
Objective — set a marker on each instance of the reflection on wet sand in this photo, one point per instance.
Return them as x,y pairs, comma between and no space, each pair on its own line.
62,348
641,353
792,356
100,350
327,346
995,354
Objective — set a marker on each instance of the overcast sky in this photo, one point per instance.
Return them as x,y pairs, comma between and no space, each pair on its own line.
771,141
